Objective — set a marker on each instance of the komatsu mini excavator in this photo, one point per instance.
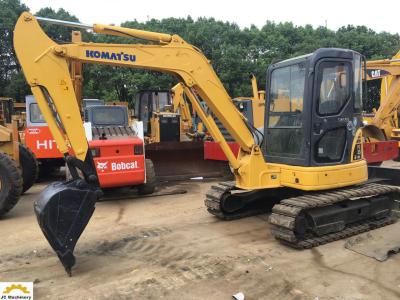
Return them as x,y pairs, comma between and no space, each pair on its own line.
310,167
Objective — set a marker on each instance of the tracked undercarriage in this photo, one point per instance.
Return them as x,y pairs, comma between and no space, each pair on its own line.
310,219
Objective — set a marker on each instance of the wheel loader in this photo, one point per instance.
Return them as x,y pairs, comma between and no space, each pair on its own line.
18,164
310,170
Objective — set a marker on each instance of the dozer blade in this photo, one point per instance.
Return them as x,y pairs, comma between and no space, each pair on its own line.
184,160
63,211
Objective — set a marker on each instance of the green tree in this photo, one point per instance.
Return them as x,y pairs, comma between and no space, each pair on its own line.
233,52
9,67
57,32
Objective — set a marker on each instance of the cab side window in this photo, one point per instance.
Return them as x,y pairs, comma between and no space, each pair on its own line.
334,87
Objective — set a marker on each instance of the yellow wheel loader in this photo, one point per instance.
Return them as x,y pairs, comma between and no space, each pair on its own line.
18,165
309,171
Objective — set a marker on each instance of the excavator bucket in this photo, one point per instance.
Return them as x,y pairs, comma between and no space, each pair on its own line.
184,160
63,211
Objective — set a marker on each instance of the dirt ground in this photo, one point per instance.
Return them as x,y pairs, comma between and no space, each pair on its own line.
170,247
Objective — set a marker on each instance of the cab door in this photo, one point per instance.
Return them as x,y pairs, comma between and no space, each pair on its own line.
287,115
333,115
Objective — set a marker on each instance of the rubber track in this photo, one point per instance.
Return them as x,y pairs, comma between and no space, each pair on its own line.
284,214
213,203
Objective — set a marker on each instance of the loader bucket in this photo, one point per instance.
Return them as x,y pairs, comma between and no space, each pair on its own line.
63,211
184,160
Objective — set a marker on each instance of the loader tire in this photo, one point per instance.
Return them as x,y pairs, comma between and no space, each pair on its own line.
10,183
150,185
29,167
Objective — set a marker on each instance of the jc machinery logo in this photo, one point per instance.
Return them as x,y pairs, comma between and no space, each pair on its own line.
16,290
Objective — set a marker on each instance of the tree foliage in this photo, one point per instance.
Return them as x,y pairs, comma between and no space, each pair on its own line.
10,72
234,52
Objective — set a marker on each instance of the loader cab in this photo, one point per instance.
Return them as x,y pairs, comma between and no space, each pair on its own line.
106,115
92,102
149,101
109,122
154,109
313,109
6,110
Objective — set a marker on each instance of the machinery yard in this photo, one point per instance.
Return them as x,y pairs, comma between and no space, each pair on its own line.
137,162
170,247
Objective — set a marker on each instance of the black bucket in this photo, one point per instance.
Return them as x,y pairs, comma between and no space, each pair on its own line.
63,211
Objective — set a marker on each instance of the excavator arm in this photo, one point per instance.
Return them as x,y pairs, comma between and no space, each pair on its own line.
388,70
180,103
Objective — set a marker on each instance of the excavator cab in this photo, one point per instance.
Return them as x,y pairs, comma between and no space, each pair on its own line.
313,110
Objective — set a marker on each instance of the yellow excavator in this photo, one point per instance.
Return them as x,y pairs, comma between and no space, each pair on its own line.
385,117
381,130
310,169
193,130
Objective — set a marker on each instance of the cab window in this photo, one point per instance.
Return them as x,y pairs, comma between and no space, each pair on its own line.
334,87
285,118
35,114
